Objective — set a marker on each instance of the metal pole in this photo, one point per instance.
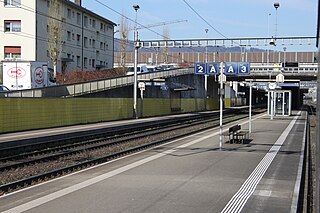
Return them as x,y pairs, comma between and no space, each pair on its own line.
206,76
141,103
268,51
135,115
317,152
272,100
284,56
221,104
250,108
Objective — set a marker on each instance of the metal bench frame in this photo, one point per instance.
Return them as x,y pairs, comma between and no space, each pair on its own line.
236,134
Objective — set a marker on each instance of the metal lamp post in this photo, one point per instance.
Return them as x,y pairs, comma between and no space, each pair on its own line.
276,5
221,93
136,46
273,40
268,51
206,76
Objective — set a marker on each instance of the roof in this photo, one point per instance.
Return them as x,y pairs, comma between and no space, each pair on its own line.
74,5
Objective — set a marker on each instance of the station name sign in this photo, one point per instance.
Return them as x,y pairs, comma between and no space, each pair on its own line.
230,68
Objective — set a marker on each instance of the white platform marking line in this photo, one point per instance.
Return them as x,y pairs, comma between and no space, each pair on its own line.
63,192
295,199
238,201
66,191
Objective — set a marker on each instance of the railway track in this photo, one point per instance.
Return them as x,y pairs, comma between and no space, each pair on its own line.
27,168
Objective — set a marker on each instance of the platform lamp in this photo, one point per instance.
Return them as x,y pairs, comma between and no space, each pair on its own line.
136,47
206,76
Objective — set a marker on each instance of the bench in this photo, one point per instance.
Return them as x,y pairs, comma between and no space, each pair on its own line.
236,134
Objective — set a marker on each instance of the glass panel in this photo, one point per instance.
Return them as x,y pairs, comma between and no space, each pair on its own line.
16,26
279,103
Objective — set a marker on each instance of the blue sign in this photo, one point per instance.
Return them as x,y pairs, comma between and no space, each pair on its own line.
231,68
213,68
200,68
244,69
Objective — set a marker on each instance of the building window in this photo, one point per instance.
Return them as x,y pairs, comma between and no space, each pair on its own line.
94,23
93,43
85,21
68,35
12,26
14,3
101,45
85,62
78,18
78,39
72,36
69,13
78,61
12,52
85,42
93,63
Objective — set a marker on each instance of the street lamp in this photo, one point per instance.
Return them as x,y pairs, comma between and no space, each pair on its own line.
276,5
273,40
206,76
136,47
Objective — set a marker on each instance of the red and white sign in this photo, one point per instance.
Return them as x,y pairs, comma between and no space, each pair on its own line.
16,72
39,75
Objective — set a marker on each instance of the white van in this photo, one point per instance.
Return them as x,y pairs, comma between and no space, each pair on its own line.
151,68
140,69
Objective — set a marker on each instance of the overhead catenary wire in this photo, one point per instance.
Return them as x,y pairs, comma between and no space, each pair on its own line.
198,14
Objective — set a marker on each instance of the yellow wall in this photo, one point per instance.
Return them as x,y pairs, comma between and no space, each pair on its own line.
18,114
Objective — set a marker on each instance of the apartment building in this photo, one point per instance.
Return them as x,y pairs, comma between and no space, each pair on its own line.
87,39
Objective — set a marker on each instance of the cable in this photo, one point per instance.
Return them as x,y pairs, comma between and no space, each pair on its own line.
203,19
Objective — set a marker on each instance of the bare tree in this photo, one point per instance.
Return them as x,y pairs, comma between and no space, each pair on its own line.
55,33
124,41
165,49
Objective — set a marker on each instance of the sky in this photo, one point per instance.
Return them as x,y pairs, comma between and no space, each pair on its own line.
223,19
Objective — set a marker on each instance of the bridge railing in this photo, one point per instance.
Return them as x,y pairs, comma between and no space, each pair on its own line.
78,89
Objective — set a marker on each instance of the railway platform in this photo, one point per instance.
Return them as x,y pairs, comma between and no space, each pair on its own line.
191,174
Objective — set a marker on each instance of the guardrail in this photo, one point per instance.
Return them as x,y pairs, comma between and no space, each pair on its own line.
78,89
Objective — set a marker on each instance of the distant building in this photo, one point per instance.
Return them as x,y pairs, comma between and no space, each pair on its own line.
87,40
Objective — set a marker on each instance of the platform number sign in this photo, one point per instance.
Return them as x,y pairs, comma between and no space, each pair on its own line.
244,69
231,68
213,68
200,68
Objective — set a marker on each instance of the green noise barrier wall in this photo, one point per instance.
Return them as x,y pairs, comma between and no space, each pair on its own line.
18,114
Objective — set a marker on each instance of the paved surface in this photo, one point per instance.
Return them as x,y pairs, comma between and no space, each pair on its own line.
189,175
